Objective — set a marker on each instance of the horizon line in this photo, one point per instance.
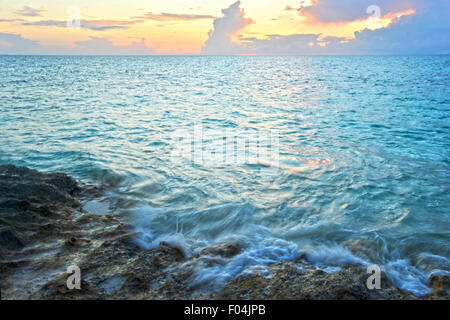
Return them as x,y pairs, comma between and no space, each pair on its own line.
225,55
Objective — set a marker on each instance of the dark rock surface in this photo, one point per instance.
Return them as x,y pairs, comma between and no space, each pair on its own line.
43,231
289,282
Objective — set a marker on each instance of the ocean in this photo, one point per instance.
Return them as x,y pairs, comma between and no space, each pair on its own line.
343,159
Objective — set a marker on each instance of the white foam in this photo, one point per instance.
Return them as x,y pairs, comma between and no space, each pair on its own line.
405,276
261,248
333,255
258,255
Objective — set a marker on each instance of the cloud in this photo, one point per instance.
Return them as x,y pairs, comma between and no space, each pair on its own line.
294,44
164,16
103,25
11,43
16,44
27,11
220,40
341,11
95,25
11,20
290,8
225,39
103,46
423,33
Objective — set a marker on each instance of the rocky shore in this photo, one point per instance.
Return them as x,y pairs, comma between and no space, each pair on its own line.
44,230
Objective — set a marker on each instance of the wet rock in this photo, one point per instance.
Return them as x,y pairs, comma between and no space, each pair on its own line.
43,231
14,204
63,182
289,282
30,189
171,251
9,239
226,250
57,290
112,284
72,243
440,285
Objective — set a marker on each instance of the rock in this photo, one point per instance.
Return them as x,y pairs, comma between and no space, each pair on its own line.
23,183
57,290
112,284
63,183
174,252
9,239
289,282
440,285
14,204
226,250
42,230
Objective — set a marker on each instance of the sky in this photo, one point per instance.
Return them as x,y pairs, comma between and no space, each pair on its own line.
224,27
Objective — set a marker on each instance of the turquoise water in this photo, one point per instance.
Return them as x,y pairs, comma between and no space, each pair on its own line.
361,174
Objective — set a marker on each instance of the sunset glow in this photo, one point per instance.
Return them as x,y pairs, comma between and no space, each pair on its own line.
180,27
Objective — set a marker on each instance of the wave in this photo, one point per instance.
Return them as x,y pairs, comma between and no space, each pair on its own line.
262,247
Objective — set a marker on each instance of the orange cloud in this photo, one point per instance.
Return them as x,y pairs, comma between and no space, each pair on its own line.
95,25
164,16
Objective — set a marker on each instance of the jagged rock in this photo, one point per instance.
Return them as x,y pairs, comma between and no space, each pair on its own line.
226,250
